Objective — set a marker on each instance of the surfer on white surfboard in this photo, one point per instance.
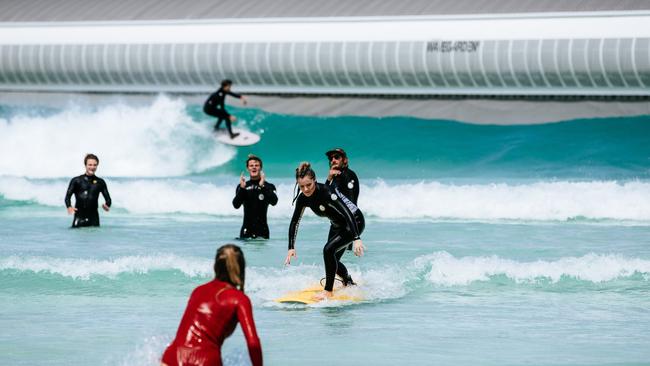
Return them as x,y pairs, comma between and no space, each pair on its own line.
346,219
215,106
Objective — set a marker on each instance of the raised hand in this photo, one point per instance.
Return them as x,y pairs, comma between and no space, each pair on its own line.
242,180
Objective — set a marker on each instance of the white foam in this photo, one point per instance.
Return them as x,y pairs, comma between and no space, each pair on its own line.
536,201
84,269
543,201
153,140
149,352
447,270
263,284
267,284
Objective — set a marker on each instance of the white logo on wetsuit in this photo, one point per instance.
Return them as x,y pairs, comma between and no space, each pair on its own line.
261,197
322,208
353,208
351,184
334,197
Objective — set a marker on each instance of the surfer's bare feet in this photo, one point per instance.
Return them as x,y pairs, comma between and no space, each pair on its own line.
323,295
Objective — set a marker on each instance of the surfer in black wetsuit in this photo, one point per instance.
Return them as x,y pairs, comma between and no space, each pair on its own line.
86,189
256,195
215,106
345,217
341,176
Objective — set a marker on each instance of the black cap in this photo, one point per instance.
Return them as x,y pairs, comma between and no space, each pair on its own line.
336,150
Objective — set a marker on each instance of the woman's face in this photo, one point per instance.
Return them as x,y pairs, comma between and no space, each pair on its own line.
307,185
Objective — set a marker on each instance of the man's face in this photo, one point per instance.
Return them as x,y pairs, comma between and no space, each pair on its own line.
254,168
91,166
226,88
337,161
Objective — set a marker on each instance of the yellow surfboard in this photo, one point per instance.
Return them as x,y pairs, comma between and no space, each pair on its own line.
306,296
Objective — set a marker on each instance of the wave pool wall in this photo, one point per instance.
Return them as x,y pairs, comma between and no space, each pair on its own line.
601,54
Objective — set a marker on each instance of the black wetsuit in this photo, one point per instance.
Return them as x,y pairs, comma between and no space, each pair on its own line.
86,190
215,106
348,184
256,201
347,222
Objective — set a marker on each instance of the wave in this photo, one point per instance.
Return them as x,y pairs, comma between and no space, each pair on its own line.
542,201
84,269
440,269
446,270
155,140
168,137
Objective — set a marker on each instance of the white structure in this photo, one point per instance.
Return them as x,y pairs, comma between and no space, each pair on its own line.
597,53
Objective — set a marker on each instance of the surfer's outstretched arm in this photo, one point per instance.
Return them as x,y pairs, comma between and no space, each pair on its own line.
293,228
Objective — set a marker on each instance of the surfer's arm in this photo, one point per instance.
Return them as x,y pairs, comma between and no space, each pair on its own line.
271,194
295,223
238,96
69,192
245,317
107,196
244,100
240,196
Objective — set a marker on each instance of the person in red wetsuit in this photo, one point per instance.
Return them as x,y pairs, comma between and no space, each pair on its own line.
212,314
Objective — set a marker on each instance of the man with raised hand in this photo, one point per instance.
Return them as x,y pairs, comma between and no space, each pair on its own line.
86,189
256,195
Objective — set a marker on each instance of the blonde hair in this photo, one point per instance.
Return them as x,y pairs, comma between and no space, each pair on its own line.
230,266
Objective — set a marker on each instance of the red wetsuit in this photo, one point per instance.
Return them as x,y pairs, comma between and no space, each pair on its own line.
210,317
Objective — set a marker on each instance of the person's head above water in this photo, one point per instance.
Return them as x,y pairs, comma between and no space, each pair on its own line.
306,179
226,84
91,161
230,266
254,166
338,158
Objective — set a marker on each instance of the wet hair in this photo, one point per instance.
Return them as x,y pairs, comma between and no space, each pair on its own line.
254,157
303,170
230,266
225,83
90,156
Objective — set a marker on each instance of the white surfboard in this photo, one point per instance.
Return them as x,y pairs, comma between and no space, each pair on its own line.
245,138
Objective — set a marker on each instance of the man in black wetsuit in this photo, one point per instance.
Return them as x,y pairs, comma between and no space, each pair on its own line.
215,106
86,189
256,195
341,176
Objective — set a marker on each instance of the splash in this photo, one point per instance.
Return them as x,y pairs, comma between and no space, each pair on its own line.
155,140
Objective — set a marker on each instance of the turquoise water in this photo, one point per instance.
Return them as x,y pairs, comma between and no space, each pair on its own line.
486,245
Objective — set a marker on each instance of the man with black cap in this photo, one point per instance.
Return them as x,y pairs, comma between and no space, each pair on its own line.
341,176
342,180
